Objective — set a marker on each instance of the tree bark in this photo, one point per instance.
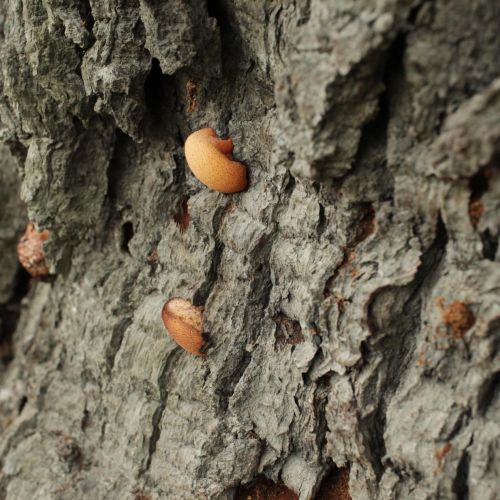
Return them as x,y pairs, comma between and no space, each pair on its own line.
351,293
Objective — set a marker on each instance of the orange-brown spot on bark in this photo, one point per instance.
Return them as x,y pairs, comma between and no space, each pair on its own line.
440,453
153,257
191,91
335,486
476,210
265,489
30,251
459,318
288,331
182,217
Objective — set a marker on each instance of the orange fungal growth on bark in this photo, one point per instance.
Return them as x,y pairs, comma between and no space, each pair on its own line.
184,323
210,159
30,251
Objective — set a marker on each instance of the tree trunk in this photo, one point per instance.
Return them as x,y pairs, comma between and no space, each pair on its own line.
351,293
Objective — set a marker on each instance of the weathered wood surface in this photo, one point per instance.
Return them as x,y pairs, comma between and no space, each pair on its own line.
352,293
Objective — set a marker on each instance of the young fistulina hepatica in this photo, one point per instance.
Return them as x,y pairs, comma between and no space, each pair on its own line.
184,323
210,159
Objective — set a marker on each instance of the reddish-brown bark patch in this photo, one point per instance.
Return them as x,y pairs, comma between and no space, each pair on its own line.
153,257
182,217
478,185
364,224
459,318
335,486
289,331
265,489
476,210
440,453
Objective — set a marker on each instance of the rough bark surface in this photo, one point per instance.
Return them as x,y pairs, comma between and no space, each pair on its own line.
351,293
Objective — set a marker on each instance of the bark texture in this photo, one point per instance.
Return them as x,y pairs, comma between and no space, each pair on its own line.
351,293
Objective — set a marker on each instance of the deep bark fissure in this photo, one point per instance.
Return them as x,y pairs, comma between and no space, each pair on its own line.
168,366
396,345
9,315
460,483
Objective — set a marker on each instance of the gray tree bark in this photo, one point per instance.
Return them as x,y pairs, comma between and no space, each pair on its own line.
351,293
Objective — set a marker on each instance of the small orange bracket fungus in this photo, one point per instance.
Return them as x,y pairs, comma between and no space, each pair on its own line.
30,251
184,323
210,159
